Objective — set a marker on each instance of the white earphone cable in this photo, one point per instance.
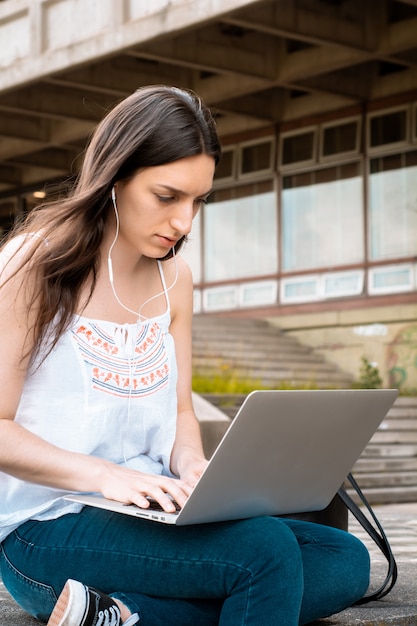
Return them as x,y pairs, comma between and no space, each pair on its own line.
110,267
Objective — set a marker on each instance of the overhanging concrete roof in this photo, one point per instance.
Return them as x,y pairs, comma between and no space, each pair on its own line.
64,63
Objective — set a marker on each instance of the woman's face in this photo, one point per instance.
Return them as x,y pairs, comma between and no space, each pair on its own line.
157,206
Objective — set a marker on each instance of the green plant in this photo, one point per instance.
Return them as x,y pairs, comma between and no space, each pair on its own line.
224,380
369,377
227,380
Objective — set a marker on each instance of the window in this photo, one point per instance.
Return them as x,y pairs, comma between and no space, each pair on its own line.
391,279
240,233
388,128
317,287
340,139
256,158
338,284
191,251
322,218
258,293
197,298
220,298
245,160
299,289
226,168
298,148
393,206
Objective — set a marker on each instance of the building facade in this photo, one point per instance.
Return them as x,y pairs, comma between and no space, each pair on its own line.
312,223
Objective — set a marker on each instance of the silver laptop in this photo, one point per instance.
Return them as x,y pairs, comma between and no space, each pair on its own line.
284,452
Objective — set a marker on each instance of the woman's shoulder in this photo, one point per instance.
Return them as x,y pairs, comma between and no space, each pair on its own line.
177,267
179,282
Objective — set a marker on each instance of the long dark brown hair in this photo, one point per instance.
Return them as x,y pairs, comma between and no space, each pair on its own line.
154,126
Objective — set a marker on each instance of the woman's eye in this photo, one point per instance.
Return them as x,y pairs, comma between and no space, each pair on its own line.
165,198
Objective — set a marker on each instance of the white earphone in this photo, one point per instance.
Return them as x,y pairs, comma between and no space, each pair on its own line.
110,266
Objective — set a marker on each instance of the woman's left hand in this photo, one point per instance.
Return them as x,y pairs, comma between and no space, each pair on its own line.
193,470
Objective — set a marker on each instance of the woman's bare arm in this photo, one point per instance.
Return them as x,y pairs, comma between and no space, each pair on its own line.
187,458
27,456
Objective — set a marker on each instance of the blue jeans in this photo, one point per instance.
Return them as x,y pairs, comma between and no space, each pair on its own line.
248,573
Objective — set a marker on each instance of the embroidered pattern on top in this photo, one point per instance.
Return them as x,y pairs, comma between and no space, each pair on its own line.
111,371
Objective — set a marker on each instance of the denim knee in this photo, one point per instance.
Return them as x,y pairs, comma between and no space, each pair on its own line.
267,541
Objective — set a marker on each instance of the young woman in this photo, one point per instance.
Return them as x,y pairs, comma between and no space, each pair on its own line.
95,327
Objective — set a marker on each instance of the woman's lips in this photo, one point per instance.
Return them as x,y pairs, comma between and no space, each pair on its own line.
167,241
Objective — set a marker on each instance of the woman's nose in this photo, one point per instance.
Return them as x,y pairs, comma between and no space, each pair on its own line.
182,218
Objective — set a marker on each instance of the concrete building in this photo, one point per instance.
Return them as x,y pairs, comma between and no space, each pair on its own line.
313,221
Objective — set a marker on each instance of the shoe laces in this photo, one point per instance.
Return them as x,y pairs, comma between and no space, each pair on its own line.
109,617
112,617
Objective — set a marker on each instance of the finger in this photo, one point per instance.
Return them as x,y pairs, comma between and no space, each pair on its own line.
179,491
171,492
165,501
141,501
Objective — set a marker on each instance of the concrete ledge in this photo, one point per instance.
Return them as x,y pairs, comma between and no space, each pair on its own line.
213,423
12,615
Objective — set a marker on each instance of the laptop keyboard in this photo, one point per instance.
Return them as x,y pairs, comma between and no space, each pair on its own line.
155,506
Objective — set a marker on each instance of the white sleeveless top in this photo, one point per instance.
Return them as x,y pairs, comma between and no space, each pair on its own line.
106,390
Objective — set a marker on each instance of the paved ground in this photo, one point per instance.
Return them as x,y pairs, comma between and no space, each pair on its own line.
399,608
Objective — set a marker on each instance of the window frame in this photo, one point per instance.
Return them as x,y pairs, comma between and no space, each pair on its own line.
299,165
374,271
248,176
347,154
271,284
225,180
387,147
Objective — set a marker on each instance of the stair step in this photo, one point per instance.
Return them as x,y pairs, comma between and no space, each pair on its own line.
229,347
392,464
387,468
256,349
373,450
393,479
254,356
400,422
383,495
403,412
395,437
212,365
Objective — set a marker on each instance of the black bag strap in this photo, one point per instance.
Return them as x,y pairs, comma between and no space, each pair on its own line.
377,534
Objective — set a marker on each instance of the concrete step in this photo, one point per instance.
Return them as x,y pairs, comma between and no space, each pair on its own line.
387,465
258,350
385,495
246,356
315,375
381,480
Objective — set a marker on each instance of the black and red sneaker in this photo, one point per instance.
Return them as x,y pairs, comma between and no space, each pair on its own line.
79,605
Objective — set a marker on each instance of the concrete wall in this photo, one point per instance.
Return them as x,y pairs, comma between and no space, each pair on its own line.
386,336
39,37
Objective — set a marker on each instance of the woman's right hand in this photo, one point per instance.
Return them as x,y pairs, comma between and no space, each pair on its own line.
133,487
28,457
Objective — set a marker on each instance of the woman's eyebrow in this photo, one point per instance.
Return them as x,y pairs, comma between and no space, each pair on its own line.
181,192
